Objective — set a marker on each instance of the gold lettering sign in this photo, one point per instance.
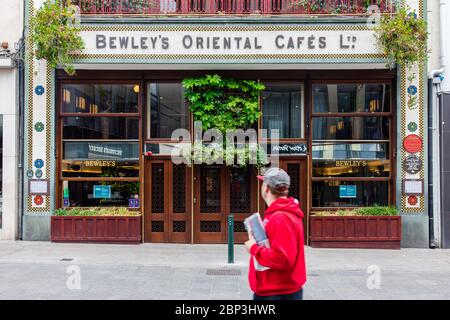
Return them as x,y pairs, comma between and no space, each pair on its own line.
351,163
99,163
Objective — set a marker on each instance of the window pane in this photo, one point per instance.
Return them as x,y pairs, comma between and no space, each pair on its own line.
168,110
100,168
351,128
366,193
100,98
351,97
283,109
351,168
354,151
101,150
100,128
80,193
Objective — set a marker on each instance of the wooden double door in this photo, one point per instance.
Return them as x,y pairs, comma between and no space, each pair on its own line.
191,204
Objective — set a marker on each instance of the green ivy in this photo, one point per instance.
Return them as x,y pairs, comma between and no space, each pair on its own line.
226,105
403,37
222,103
55,35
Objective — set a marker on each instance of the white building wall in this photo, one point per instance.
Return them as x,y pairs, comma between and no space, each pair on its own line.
11,28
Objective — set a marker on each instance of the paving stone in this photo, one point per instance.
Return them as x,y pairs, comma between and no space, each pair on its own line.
33,270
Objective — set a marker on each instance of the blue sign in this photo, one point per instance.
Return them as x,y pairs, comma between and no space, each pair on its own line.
347,191
66,203
101,191
133,203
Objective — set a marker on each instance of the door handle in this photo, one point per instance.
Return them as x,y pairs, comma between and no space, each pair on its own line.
195,201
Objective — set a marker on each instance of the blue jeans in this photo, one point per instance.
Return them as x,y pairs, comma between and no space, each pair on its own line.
292,296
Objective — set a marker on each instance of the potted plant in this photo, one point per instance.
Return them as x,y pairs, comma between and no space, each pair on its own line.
371,227
104,225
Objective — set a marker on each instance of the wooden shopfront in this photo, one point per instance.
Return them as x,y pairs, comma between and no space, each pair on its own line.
336,127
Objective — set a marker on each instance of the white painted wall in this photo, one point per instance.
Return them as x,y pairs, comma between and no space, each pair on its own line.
445,42
434,34
11,27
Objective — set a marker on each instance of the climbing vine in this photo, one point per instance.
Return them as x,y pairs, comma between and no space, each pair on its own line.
402,37
55,34
226,105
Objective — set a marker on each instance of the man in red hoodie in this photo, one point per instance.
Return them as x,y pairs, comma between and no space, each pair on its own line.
285,272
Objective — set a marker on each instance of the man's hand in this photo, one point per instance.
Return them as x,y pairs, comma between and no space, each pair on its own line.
250,242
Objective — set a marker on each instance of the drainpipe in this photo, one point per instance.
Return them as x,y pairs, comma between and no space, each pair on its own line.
21,70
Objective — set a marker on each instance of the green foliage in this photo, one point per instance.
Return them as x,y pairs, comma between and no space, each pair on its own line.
106,211
224,104
250,153
375,210
131,6
403,37
55,35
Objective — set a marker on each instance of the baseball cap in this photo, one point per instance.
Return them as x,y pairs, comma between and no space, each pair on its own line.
274,177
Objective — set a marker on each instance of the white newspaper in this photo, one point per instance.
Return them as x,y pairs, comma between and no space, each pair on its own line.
255,225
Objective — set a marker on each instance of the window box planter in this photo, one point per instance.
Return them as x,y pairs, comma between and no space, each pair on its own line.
363,232
97,229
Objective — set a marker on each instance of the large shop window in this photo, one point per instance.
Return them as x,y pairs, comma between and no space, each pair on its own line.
283,110
168,110
351,133
100,144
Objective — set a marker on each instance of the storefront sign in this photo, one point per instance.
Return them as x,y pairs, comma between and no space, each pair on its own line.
413,187
413,143
347,191
101,191
351,163
412,164
38,187
288,148
99,163
228,40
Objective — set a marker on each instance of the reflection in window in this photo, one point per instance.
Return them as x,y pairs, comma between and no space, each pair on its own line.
100,98
100,168
283,109
168,110
117,150
333,194
100,128
81,193
336,98
350,151
351,128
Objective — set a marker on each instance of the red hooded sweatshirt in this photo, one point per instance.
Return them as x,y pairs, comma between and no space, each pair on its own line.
286,255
